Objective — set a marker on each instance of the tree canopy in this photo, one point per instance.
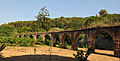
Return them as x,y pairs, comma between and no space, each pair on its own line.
62,23
42,14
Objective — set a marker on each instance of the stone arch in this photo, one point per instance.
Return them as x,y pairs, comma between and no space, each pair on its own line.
65,35
115,33
37,36
81,39
39,39
74,36
53,37
48,39
107,40
20,36
69,34
57,41
61,37
31,36
91,35
25,36
43,36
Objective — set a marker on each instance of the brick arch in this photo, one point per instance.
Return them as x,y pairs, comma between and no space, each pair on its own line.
91,37
104,30
25,35
43,36
116,39
31,36
115,34
77,34
64,36
53,37
38,35
61,37
94,33
20,36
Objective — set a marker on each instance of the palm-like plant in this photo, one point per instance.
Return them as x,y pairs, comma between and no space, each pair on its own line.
81,56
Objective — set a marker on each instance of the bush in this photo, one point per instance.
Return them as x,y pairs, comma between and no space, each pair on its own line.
26,42
17,41
39,41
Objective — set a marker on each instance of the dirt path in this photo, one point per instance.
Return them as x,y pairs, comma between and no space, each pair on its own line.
57,54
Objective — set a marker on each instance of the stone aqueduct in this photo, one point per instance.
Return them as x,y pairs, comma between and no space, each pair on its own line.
90,34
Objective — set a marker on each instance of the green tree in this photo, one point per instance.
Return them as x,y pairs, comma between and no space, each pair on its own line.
6,30
40,40
103,12
42,14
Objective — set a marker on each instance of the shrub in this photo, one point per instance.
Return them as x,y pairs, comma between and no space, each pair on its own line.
39,41
81,56
17,41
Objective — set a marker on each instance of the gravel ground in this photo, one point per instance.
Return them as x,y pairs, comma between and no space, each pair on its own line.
43,53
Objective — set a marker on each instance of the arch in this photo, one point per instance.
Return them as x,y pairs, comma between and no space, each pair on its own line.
69,34
64,37
39,39
37,36
25,36
82,41
91,37
20,36
56,42
74,36
53,38
31,36
47,39
103,40
115,33
66,41
43,36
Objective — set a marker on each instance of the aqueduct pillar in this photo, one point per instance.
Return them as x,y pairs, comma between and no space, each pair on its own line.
43,36
116,39
35,37
91,36
62,38
53,38
74,36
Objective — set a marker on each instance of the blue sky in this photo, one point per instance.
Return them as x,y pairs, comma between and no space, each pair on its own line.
24,10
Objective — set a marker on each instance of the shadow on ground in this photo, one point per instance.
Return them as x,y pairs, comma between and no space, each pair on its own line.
38,58
106,54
